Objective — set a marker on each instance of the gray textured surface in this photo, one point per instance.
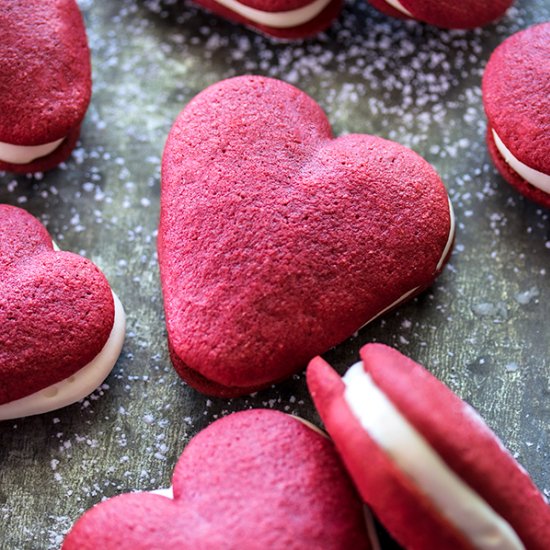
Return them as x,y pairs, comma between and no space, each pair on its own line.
482,328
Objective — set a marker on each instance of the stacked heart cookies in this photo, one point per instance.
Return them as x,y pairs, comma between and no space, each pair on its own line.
433,472
277,242
266,218
45,82
61,326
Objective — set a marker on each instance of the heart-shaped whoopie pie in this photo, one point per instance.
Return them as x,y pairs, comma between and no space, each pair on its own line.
433,472
256,479
45,82
283,19
447,14
278,241
61,327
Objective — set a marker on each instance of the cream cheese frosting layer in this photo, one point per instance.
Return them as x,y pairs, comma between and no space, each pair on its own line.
24,154
451,238
78,385
280,19
532,176
166,493
407,448
399,7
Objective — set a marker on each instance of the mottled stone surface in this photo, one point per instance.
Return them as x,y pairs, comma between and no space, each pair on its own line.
482,328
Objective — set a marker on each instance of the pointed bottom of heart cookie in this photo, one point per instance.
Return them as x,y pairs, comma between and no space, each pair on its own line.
78,385
209,387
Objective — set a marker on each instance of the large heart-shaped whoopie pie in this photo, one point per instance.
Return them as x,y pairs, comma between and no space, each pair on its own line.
45,82
278,241
256,479
61,328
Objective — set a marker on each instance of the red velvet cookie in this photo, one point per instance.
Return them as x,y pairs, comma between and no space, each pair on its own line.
61,328
465,14
253,480
278,241
285,19
432,471
45,82
516,97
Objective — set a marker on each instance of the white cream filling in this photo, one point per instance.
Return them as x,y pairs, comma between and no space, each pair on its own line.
408,449
167,493
452,231
23,154
534,177
399,7
280,19
78,385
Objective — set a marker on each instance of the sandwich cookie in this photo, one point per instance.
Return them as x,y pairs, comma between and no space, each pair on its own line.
432,471
255,479
45,85
466,14
284,19
61,326
516,97
278,241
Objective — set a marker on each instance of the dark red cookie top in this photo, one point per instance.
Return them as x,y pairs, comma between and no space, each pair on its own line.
465,14
45,82
516,95
56,308
255,479
277,241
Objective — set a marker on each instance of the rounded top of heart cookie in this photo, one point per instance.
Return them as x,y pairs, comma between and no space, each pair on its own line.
277,241
516,98
255,479
56,309
45,66
456,485
447,14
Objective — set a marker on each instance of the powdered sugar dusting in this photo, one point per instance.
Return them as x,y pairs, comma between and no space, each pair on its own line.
404,81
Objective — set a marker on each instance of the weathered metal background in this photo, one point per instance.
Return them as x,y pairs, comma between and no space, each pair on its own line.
482,328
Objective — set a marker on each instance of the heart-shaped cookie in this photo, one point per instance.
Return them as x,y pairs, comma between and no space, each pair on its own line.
253,480
447,14
285,19
61,327
516,97
45,82
278,241
435,475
